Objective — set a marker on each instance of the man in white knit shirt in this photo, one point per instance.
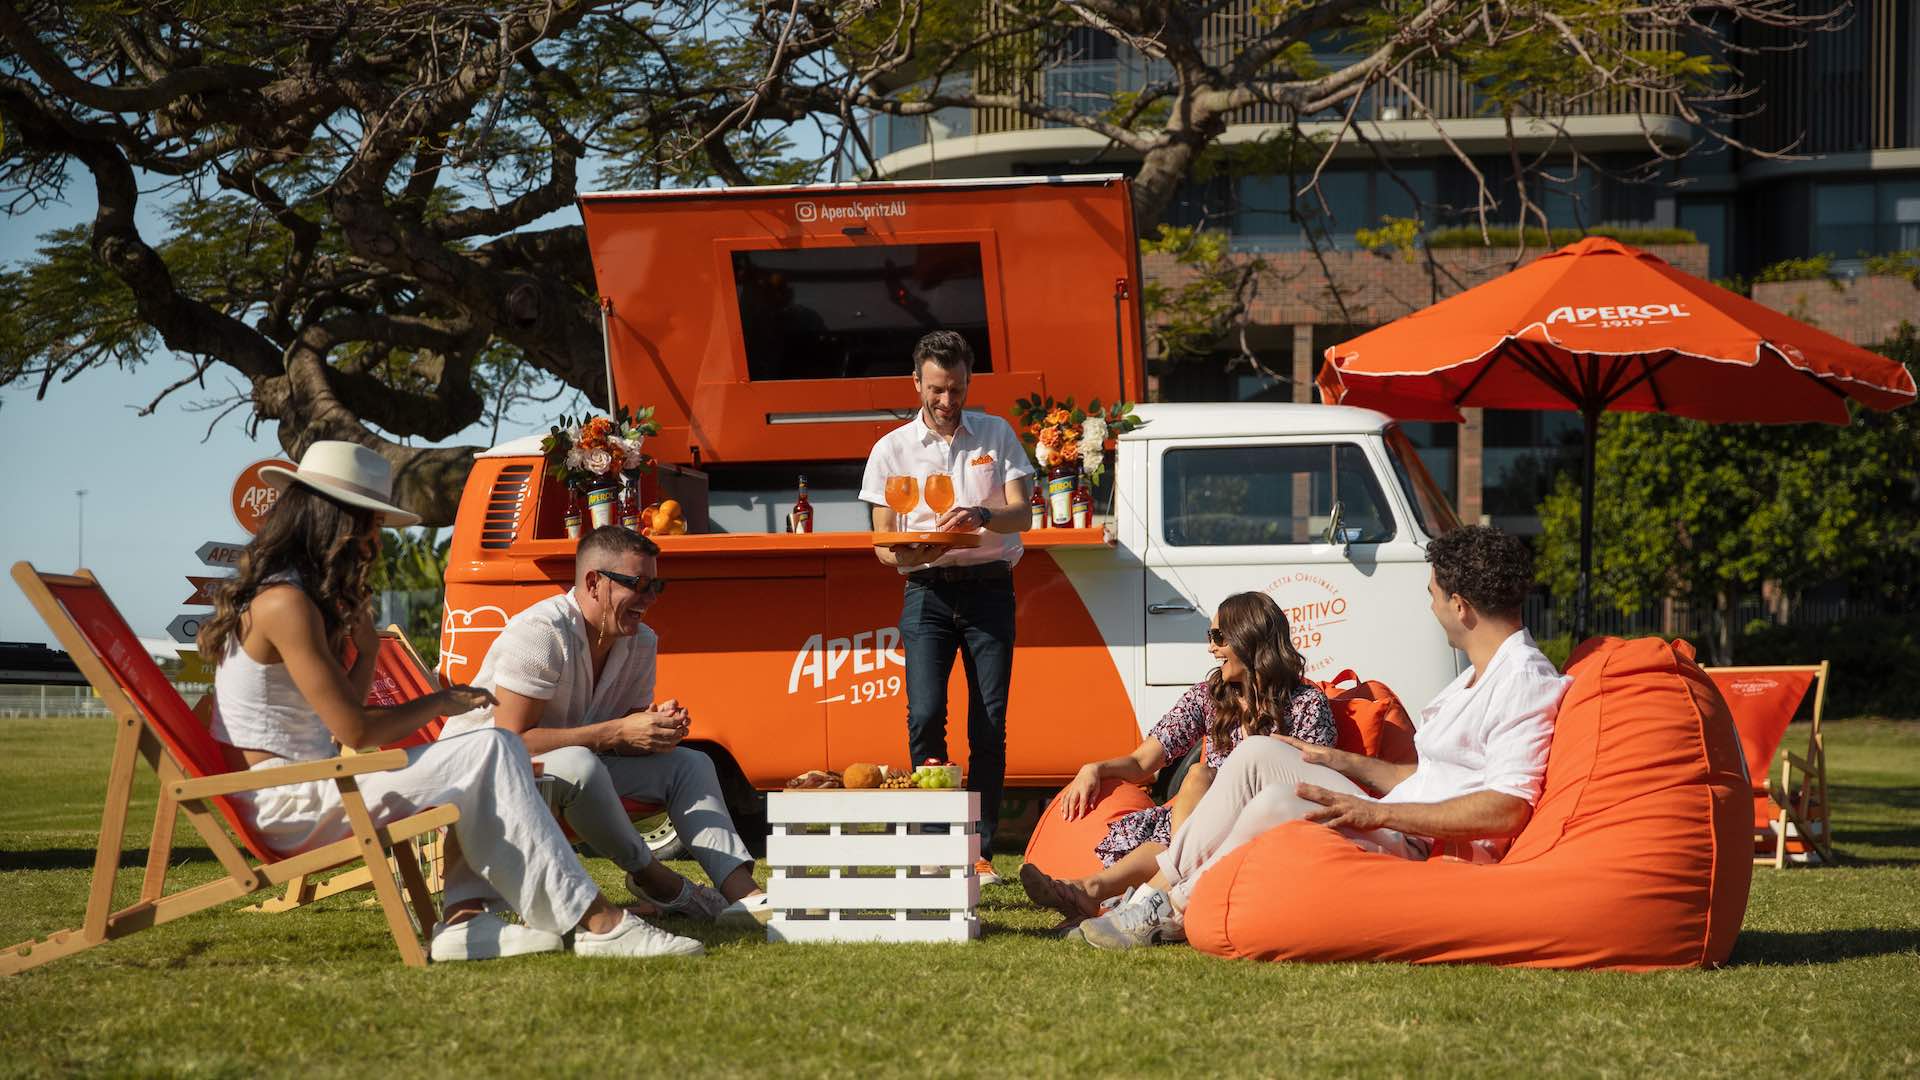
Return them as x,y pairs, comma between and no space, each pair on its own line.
574,677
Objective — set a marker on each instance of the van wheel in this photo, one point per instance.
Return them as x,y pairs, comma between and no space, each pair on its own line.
661,837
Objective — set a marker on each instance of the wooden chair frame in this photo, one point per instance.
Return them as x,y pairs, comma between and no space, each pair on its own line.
198,797
1800,790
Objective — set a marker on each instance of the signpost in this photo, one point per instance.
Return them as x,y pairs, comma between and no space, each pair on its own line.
184,628
253,497
202,595
220,553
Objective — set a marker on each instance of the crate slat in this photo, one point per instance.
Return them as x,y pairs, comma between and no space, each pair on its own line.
960,893
804,930
872,807
954,849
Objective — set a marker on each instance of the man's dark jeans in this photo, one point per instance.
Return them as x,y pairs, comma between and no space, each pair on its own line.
974,618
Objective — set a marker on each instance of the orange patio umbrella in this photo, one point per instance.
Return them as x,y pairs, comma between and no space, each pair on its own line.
1599,325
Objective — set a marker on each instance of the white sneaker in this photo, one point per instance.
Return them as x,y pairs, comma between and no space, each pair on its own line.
748,912
699,901
635,938
488,937
1146,919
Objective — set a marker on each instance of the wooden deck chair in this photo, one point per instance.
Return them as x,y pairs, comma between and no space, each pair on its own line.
1791,820
399,676
196,777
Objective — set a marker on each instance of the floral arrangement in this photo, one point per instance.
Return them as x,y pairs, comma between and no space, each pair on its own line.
1062,433
578,451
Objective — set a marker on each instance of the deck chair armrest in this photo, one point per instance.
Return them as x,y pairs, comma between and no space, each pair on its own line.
300,772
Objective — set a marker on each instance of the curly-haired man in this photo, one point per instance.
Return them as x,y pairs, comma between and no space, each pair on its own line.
1481,743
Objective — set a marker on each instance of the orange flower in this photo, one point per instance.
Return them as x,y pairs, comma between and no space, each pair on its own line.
1050,437
1058,417
1070,450
593,433
1033,429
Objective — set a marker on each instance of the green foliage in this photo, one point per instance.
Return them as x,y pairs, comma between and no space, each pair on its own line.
1811,268
1900,264
1876,660
1187,318
1037,417
1394,234
1469,236
415,562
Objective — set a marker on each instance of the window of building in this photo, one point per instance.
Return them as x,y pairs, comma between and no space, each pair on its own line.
1708,223
1899,215
856,312
1843,219
1524,451
1241,495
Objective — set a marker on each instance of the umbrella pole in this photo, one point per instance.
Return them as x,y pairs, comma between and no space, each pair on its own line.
1583,601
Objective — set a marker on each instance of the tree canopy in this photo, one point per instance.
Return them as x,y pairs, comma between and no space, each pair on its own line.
356,194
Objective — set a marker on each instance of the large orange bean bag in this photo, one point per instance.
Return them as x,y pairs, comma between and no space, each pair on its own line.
1638,855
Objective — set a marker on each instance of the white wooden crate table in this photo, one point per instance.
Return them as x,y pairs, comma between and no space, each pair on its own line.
859,866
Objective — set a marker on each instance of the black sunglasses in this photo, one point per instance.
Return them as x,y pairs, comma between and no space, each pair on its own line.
1215,637
635,582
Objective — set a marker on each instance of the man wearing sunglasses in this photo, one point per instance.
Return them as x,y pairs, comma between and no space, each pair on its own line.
574,677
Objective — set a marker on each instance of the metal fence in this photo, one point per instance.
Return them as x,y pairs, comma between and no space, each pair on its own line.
1549,619
35,700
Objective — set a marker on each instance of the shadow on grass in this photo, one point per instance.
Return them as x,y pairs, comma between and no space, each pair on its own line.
82,858
1778,948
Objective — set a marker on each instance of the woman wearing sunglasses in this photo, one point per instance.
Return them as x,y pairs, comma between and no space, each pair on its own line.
1258,689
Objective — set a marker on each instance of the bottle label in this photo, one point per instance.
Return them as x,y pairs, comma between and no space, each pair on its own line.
573,524
600,506
1060,499
803,519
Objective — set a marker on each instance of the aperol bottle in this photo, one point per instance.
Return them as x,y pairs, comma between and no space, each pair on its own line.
802,510
1038,504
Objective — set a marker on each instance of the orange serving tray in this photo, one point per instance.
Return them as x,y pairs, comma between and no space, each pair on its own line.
938,539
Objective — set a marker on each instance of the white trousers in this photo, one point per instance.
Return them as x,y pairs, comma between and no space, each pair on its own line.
510,847
586,788
1254,792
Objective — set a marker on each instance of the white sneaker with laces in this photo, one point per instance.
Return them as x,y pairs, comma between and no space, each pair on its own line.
699,901
748,911
634,937
488,937
1146,919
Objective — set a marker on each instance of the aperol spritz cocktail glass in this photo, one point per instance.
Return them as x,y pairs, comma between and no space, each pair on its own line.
903,494
938,489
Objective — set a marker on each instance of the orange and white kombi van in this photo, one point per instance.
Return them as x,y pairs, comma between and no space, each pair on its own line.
771,328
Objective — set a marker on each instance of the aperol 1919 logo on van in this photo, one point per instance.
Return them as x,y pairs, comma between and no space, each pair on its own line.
1314,607
862,659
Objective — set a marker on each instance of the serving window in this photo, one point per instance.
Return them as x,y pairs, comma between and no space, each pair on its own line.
856,312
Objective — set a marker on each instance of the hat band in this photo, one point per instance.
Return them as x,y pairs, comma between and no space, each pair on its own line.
357,489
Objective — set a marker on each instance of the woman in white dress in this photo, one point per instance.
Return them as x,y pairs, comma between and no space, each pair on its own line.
283,693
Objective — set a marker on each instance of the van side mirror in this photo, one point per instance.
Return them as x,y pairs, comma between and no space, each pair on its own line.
1338,533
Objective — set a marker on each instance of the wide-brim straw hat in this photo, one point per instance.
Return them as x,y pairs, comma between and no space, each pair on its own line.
346,472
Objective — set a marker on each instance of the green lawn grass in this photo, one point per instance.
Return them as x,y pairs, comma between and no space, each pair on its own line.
1823,981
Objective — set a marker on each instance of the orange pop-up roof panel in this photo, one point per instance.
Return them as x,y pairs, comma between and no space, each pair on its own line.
777,324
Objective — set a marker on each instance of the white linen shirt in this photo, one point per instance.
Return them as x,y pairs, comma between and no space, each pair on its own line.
1491,736
544,654
985,454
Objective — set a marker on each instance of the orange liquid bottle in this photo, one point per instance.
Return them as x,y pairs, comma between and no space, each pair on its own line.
802,510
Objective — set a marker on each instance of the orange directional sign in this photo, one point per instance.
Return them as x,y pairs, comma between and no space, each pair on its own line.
202,590
253,497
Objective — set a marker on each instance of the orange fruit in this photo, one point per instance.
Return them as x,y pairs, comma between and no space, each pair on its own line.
671,508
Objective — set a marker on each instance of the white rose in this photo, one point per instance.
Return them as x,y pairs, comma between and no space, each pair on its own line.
1091,458
1094,432
635,458
1040,454
599,462
574,458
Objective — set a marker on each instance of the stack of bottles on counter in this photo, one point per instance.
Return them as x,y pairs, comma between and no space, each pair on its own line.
1061,501
601,504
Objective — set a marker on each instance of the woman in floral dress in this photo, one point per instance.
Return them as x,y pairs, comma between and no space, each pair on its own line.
1257,690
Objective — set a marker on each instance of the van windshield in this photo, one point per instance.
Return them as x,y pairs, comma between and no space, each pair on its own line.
1430,504
856,312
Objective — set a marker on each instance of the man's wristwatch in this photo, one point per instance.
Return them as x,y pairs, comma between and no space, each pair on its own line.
986,516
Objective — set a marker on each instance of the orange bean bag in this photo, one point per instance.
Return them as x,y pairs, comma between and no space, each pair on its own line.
1638,855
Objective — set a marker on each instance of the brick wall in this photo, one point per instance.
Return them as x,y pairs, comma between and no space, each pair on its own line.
1863,310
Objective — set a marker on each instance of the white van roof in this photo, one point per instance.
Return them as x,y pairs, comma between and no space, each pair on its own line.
1233,418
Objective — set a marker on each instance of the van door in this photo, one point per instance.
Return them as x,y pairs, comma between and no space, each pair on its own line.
1254,514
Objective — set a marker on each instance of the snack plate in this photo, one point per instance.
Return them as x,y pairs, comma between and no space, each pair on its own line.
938,539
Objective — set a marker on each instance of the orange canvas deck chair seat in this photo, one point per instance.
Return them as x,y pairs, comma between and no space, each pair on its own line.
196,777
1791,822
1636,856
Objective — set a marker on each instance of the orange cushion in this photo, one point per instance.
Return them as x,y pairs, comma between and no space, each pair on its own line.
1369,719
1638,854
1064,849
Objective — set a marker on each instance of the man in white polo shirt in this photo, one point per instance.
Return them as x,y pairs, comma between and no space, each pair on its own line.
1481,748
958,601
573,675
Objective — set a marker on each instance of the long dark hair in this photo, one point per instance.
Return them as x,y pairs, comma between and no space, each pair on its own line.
1255,628
313,536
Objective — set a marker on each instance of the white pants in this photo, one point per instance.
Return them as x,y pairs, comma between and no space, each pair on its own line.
511,849
586,788
1254,792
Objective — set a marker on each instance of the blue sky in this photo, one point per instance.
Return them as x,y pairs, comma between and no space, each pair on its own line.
155,490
